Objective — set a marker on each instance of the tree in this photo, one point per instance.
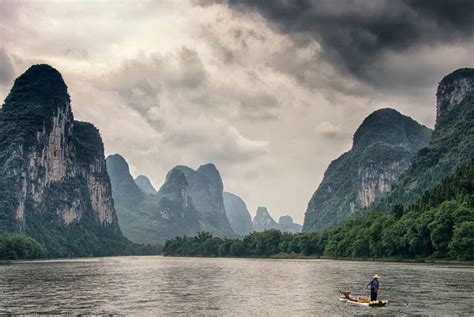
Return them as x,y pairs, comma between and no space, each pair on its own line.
17,246
462,244
237,248
441,229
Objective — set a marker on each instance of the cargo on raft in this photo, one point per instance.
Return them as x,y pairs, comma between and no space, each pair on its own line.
363,301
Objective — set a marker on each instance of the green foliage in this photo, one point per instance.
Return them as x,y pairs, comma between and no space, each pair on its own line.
88,142
457,74
19,247
40,84
143,249
462,243
8,203
441,225
23,247
387,126
35,96
451,146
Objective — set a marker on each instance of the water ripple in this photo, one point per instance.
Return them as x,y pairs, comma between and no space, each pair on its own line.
243,287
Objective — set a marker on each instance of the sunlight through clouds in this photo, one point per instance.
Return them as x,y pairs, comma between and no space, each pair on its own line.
191,82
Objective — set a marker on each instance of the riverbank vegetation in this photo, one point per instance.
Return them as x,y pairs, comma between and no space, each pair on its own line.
23,247
19,247
439,225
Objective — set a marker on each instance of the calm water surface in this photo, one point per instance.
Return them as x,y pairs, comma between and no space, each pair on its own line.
244,287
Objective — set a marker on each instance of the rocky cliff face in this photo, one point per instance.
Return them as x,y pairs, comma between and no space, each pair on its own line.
263,221
285,223
54,183
451,145
375,181
206,190
382,150
148,218
145,185
452,91
238,214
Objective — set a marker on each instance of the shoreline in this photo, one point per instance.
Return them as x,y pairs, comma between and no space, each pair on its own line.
304,257
390,259
469,263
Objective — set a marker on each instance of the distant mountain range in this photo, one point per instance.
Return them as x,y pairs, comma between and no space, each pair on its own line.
189,201
151,218
263,221
402,191
207,193
57,187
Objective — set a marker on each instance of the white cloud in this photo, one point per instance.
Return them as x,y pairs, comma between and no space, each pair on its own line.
328,130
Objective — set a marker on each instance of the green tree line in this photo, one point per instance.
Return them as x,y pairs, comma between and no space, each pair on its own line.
439,225
19,247
22,247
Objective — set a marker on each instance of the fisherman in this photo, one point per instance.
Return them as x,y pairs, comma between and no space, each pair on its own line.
374,287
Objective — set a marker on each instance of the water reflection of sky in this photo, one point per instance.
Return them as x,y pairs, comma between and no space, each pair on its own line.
158,285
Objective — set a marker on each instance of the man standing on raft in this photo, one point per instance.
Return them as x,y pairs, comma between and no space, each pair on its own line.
374,287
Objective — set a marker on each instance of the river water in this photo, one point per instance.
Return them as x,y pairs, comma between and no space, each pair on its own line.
219,286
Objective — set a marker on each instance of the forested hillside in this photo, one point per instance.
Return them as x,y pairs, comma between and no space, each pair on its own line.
451,145
383,148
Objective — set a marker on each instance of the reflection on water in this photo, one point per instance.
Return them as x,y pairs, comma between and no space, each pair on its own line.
157,285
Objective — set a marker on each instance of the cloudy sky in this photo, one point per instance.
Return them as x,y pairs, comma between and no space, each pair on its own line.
269,91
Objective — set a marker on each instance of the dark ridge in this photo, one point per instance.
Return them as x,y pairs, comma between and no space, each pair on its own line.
387,126
459,73
40,84
34,99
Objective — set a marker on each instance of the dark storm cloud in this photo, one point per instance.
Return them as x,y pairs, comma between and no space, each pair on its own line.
145,81
356,34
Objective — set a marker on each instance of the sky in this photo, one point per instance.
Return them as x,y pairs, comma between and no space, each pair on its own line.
269,91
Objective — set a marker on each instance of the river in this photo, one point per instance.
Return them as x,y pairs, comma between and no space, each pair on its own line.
224,286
